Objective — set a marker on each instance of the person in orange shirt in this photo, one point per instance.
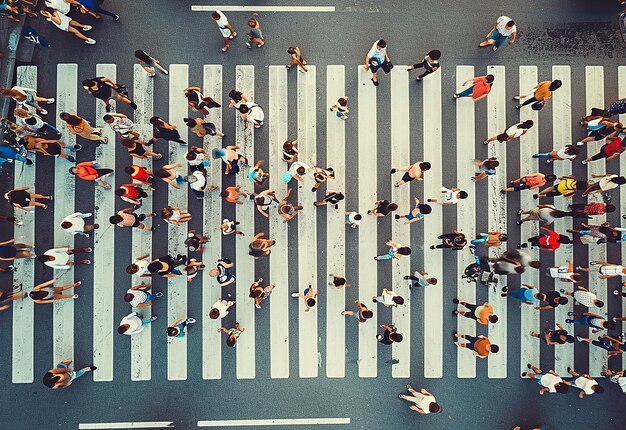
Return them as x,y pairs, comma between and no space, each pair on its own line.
528,182
479,90
90,171
481,345
231,195
541,93
482,314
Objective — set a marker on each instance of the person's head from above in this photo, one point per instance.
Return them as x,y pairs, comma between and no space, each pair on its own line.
115,219
88,83
129,169
489,79
155,266
244,109
392,207
38,295
214,313
432,281
191,122
564,239
310,302
358,217
550,178
493,348
620,180
43,258
132,268
367,314
231,340
435,54
191,155
569,338
301,170
47,11
21,113
561,300
70,119
396,337
434,408
50,379
459,240
343,101
252,22
225,193
610,208
234,94
404,250
288,145
491,164
381,44
577,277
510,24
73,170
598,389
462,194
123,328
425,165
172,331
162,173
155,120
398,300
65,225
503,237
561,387
618,126
128,297
216,16
425,209
108,118
555,85
572,149
255,292
527,124
167,212
598,303
493,319
519,269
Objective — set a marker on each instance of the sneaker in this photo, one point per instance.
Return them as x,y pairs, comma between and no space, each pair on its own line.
549,160
433,247
485,142
133,105
87,261
10,268
295,295
77,147
75,296
108,107
116,17
256,305
375,82
50,100
579,143
71,159
159,294
154,317
374,300
393,170
584,161
397,216
87,27
158,157
96,226
529,366
92,368
524,374
43,112
90,42
569,369
616,292
85,234
88,249
248,45
614,319
579,339
44,207
191,320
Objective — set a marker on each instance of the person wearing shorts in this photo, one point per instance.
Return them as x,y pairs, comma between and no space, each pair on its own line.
338,281
482,314
513,132
411,172
225,28
127,218
424,402
221,273
417,213
587,319
179,327
377,58
528,182
550,381
481,345
525,294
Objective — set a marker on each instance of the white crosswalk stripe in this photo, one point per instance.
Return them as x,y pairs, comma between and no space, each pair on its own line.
314,348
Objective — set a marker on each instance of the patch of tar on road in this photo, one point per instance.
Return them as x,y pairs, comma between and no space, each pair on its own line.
593,39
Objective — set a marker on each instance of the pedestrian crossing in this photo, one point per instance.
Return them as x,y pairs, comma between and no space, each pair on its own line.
426,341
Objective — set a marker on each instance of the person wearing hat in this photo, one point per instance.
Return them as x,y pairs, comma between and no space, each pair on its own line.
167,266
62,376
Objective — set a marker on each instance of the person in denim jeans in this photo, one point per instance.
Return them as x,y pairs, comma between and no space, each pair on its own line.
63,376
503,29
395,251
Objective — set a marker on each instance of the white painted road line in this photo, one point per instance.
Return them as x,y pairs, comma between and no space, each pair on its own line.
176,234
496,124
24,275
562,136
274,422
621,90
465,212
307,225
368,229
103,246
246,358
529,145
224,8
141,343
594,96
433,227
400,157
63,310
335,230
279,274
128,425
212,211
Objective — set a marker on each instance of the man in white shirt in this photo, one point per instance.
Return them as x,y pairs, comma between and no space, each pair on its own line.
227,30
424,402
59,258
377,58
551,381
75,224
503,29
140,296
133,323
388,298
220,309
139,267
120,124
586,383
450,196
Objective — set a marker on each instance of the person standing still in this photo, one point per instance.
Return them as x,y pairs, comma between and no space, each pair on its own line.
228,32
377,58
503,29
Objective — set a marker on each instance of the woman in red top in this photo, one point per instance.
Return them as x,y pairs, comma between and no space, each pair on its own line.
90,171
613,147
546,242
139,174
480,89
132,193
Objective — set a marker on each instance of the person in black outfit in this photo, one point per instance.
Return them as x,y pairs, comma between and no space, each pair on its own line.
166,266
162,130
332,198
455,241
553,298
99,10
383,207
102,88
389,336
430,64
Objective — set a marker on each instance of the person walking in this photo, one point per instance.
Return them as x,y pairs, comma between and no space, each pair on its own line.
20,198
59,258
430,64
232,195
566,187
169,174
585,383
585,297
220,309
485,168
198,102
482,314
260,247
127,218
63,376
251,111
308,296
296,59
75,224
377,58
550,381
179,327
481,345
149,64
27,98
121,125
67,24
134,323
227,30
11,251
419,279
525,294
91,171
455,241
493,238
504,29
480,88
232,334
44,293
139,266
50,148
202,128
388,298
340,108
588,319
565,273
532,181
606,183
34,122
539,96
363,313
382,208
412,171
166,266
449,196
139,174
612,346
395,251
331,198
321,175
554,337
260,293
222,273
599,128
552,298
236,98
389,335
161,129
353,219
255,35
605,269
423,401
513,132
175,215
105,89
338,281
613,148
132,193
569,152
417,213
81,127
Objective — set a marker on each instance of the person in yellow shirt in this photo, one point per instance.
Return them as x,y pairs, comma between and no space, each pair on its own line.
541,93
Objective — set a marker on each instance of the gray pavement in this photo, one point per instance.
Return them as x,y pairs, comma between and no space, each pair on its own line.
578,33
